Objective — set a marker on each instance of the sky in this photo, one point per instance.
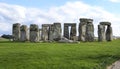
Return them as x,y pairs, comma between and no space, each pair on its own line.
64,11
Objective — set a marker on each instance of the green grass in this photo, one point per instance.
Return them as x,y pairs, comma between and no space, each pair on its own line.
95,55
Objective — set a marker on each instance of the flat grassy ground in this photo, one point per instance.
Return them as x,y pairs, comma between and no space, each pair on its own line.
94,55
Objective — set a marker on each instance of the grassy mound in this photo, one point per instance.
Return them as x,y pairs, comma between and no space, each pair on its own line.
95,55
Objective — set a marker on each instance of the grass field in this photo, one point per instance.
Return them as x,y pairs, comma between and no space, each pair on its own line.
95,55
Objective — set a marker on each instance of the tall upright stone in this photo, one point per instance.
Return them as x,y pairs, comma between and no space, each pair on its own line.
57,31
101,33
89,36
40,34
34,33
50,33
46,29
24,33
16,32
82,29
73,32
109,35
66,31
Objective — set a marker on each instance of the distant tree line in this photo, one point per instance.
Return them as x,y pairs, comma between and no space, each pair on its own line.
7,36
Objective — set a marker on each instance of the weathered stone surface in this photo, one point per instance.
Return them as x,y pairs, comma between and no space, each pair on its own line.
89,36
51,33
57,31
16,32
24,33
109,35
65,40
40,34
72,34
46,32
86,30
105,34
101,33
105,23
66,31
82,29
34,33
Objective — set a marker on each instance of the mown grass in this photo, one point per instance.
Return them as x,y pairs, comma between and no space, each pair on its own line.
94,55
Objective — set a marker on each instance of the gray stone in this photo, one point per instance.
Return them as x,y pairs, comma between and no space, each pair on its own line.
86,30
72,34
16,32
34,33
105,34
109,35
51,33
101,33
46,32
40,34
66,31
82,29
24,33
65,40
57,31
105,23
89,36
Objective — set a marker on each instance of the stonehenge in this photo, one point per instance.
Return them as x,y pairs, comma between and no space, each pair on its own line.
24,33
53,32
86,30
105,34
16,32
72,34
34,33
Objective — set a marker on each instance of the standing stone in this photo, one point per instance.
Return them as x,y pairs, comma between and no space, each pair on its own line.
105,34
57,31
40,34
89,31
51,32
73,32
24,33
16,32
46,32
109,35
66,31
34,33
82,29
101,33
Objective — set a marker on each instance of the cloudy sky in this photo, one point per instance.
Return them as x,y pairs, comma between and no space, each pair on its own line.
64,11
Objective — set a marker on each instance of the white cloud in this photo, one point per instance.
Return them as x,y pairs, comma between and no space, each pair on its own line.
115,1
70,12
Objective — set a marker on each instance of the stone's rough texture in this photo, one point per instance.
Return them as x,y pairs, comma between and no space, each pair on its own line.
16,32
65,40
66,31
51,32
109,35
40,34
86,30
105,23
24,33
72,34
82,29
46,32
34,33
57,30
101,33
89,36
105,34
